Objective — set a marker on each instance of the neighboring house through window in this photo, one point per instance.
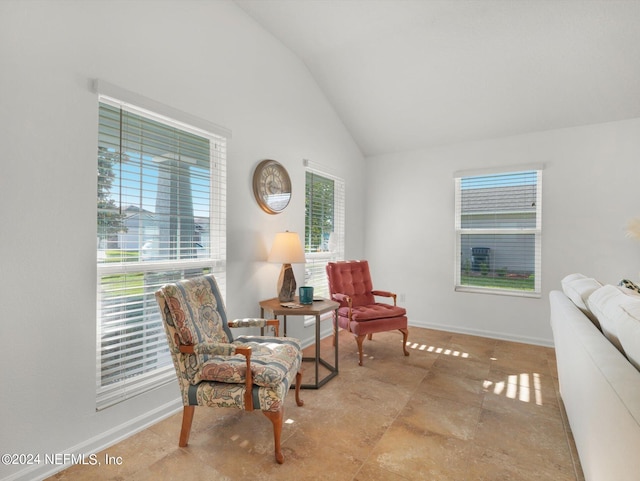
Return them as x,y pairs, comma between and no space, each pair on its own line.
161,218
499,231
324,226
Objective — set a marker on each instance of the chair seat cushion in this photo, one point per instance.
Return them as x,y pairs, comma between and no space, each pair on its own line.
272,358
372,312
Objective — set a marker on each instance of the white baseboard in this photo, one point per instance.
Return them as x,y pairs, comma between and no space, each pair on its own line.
328,331
482,333
100,442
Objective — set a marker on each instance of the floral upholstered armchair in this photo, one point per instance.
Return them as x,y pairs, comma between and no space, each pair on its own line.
350,284
216,370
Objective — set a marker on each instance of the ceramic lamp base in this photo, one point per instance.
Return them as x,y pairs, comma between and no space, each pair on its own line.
286,284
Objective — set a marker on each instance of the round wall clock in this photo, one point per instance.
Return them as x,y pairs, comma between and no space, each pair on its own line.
271,186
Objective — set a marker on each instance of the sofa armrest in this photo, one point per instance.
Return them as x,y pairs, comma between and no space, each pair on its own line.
600,390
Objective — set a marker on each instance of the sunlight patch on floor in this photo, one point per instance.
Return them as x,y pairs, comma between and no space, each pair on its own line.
525,387
437,350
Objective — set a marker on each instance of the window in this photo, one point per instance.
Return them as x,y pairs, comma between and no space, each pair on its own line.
324,227
161,217
498,232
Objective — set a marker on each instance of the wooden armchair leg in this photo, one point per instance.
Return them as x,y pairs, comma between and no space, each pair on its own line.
187,419
276,418
405,336
299,401
360,341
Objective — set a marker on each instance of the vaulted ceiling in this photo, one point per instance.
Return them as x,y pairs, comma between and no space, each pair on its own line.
411,74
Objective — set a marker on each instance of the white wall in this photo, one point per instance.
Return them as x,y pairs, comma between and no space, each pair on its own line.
590,192
208,59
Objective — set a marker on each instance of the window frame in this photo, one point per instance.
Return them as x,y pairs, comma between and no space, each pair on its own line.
319,259
214,262
535,231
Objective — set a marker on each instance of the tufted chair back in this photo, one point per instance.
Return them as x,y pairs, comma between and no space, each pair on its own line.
353,279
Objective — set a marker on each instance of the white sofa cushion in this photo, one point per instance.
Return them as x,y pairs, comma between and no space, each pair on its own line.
605,304
572,277
628,324
578,288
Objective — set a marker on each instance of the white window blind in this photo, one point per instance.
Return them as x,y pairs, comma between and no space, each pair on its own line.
499,232
161,217
324,227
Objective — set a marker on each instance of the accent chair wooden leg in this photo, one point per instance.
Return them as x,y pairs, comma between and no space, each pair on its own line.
405,336
187,419
299,401
360,341
276,418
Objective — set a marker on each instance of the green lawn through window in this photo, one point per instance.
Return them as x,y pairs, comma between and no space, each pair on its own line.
514,283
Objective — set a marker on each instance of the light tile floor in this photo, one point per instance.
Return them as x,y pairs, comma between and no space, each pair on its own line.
458,408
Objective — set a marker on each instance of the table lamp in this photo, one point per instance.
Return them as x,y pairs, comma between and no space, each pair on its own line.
286,249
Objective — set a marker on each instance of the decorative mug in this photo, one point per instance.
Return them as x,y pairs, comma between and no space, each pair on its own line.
306,295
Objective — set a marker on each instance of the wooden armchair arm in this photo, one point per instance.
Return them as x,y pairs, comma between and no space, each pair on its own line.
275,323
242,350
338,297
256,322
341,298
210,348
385,294
186,349
248,392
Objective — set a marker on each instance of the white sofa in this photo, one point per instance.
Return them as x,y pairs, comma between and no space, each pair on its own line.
599,384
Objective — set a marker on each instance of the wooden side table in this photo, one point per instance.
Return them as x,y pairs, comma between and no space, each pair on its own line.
316,309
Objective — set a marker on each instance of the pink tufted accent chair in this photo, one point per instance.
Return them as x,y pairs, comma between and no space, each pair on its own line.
350,284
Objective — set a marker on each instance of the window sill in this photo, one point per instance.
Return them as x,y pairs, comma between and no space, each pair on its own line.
499,292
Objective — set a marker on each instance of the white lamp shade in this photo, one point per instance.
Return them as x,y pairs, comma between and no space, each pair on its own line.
286,249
